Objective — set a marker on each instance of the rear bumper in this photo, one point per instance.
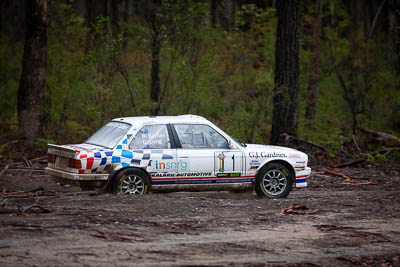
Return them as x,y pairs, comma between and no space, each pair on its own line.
302,176
75,176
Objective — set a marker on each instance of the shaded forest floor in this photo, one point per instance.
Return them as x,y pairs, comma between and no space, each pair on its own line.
345,217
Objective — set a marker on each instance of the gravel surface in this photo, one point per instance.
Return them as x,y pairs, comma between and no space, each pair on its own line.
346,217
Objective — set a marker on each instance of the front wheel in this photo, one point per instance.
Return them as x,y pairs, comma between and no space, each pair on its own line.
274,180
131,181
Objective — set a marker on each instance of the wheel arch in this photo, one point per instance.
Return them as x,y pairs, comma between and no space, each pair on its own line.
115,173
283,162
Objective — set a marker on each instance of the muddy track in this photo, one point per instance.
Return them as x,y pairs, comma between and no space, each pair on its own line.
336,221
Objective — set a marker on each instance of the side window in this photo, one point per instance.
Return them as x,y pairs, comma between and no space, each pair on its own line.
151,136
200,136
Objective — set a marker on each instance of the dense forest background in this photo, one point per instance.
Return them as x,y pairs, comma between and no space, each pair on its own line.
216,58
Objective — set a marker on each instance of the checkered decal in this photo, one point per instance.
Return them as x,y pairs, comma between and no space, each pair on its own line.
100,161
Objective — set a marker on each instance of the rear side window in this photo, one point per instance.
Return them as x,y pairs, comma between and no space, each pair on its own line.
109,135
200,136
151,136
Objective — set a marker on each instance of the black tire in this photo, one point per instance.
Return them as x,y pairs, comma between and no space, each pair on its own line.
131,181
274,180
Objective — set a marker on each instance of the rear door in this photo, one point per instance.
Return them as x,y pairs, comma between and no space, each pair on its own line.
154,150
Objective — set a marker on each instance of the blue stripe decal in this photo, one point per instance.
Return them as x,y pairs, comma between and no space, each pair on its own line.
301,180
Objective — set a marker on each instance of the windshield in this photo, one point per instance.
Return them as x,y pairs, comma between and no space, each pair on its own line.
109,135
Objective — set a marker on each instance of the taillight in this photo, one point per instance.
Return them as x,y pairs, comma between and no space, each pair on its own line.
74,163
51,158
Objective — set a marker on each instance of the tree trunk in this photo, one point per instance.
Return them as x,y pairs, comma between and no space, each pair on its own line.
286,69
213,12
155,56
114,18
313,79
155,68
91,11
31,88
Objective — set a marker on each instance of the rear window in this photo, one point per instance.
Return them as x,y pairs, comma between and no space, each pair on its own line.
109,135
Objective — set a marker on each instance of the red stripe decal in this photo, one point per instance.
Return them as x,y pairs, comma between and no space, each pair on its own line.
81,171
82,156
89,163
304,176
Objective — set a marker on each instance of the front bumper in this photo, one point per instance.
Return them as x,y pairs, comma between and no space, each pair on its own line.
302,176
75,176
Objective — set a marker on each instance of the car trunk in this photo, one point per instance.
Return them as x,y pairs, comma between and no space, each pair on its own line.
64,158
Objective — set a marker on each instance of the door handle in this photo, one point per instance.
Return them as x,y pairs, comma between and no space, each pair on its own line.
183,156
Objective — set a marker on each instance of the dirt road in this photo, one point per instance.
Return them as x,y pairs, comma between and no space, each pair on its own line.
347,220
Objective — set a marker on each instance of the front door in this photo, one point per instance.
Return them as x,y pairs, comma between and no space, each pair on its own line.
205,152
229,163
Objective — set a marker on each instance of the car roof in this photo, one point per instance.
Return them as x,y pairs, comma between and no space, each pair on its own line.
187,118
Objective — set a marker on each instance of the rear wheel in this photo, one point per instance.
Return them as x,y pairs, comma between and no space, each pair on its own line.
131,181
274,180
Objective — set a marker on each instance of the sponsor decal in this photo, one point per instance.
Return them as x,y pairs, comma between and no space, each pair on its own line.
221,158
182,174
232,174
266,155
171,165
190,174
254,164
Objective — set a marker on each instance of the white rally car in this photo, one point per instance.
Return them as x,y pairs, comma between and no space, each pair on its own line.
169,153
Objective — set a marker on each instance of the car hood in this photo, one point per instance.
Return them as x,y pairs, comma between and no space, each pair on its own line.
267,151
269,147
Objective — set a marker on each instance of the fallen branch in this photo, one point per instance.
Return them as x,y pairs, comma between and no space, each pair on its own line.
27,162
5,169
113,236
31,208
297,208
347,178
287,137
350,163
355,184
355,143
380,138
3,203
40,158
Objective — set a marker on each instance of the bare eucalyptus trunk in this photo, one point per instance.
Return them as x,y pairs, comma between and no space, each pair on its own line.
155,57
314,72
31,88
286,69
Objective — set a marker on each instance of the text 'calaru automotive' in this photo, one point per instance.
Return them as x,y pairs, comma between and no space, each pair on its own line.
135,155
